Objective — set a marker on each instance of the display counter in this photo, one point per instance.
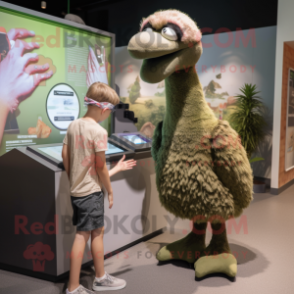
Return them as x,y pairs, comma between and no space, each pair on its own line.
36,212
52,152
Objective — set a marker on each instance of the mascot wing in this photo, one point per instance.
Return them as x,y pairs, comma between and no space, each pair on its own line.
231,165
156,140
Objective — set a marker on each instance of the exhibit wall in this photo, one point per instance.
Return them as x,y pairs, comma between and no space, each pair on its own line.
285,23
229,60
286,168
67,58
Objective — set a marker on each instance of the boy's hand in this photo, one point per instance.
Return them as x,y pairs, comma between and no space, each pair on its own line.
110,199
125,165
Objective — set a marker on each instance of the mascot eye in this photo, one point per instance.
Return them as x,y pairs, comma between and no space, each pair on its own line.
169,33
148,29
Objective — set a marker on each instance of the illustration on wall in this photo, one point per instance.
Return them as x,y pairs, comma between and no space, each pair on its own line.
45,71
41,130
148,105
97,68
218,100
41,61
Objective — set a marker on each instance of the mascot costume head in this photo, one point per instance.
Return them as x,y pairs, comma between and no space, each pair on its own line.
202,171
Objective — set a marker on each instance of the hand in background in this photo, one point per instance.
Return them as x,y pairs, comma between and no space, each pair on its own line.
125,165
16,81
110,199
95,72
15,34
15,84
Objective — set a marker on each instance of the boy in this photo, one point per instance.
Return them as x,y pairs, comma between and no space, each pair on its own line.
83,156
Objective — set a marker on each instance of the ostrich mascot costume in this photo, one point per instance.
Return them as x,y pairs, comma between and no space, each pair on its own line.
202,171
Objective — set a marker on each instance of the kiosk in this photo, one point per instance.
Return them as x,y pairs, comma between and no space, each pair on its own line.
135,141
36,212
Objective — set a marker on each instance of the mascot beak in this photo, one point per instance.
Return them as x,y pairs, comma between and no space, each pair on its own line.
145,45
161,56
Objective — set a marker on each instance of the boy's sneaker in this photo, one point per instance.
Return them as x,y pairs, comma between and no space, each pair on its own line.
81,290
108,283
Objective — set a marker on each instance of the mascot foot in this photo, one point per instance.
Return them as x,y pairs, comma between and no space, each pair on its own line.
224,263
187,249
217,256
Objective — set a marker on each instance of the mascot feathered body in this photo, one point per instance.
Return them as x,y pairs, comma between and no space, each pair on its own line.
202,171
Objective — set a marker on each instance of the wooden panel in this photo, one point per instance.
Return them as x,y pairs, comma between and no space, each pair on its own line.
288,62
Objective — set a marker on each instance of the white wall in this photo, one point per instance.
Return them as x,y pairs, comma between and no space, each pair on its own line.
285,33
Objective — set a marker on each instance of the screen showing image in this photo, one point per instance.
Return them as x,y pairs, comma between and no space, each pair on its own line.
136,139
112,149
67,61
54,151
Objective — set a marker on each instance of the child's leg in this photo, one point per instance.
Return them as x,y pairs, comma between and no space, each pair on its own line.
103,281
98,251
77,254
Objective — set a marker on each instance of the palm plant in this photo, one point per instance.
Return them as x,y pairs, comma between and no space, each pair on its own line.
248,119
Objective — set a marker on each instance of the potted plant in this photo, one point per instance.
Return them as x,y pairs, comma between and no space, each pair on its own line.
248,120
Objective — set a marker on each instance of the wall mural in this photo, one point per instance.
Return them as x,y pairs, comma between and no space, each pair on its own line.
147,104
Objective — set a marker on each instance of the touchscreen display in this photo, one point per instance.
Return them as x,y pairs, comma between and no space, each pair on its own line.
136,139
54,151
113,149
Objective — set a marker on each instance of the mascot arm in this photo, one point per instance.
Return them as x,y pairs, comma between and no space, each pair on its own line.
156,141
231,165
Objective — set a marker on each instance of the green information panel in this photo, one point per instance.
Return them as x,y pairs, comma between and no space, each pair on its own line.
46,68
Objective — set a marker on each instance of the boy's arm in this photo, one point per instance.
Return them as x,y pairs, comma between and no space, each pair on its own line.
113,171
122,166
103,174
65,157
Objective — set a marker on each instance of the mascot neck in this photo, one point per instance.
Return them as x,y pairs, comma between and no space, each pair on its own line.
185,102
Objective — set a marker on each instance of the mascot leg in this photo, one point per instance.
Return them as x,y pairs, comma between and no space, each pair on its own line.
217,256
188,249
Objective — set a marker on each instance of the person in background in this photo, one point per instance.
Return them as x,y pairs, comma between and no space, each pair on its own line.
97,69
100,53
84,160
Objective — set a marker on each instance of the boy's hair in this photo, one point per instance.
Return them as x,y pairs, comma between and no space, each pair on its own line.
101,92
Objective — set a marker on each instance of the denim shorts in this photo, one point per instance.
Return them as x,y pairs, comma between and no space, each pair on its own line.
88,211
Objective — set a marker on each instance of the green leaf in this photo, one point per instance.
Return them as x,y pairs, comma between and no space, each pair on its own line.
247,117
256,159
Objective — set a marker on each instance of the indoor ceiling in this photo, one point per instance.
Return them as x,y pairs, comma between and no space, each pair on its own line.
122,17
